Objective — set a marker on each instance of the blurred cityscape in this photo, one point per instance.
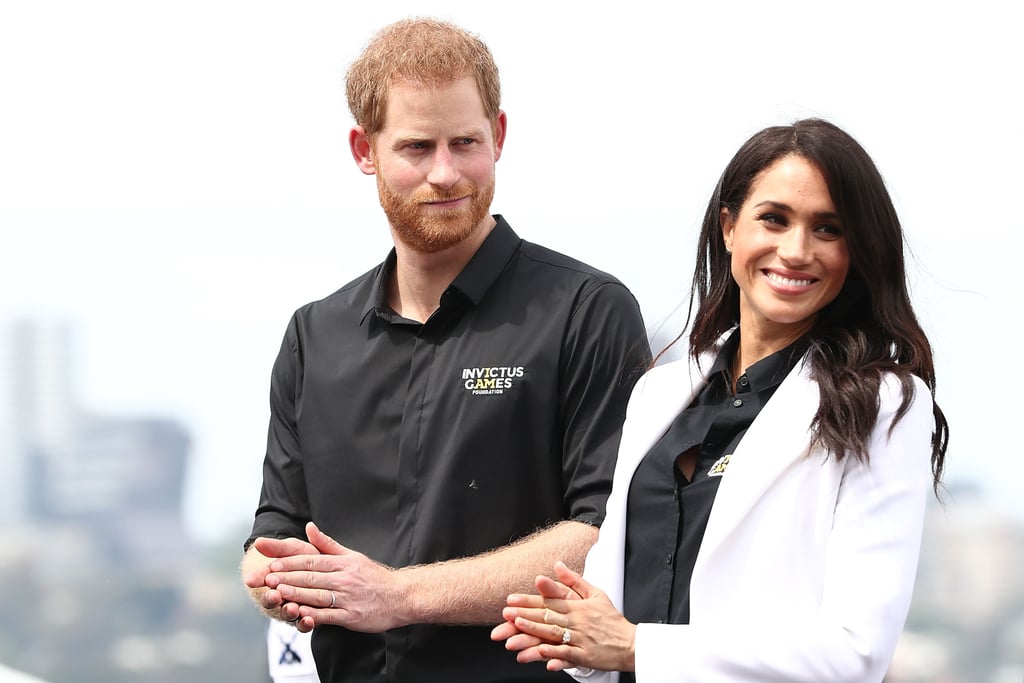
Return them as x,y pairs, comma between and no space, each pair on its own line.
99,580
102,584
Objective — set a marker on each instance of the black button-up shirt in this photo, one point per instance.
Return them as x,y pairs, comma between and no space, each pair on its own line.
666,513
415,443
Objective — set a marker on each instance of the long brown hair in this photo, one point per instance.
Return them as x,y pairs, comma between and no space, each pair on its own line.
870,329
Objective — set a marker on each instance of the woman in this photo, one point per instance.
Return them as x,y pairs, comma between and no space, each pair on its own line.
765,519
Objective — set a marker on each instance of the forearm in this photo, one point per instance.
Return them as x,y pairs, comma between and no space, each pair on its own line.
474,590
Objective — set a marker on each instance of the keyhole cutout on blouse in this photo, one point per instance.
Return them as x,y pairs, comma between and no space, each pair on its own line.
687,462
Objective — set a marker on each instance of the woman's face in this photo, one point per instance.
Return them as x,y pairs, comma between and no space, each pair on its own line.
789,252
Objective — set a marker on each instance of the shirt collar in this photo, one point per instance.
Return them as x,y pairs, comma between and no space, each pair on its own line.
725,353
378,299
767,372
472,282
488,262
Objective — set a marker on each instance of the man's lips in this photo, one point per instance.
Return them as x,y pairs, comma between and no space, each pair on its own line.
445,203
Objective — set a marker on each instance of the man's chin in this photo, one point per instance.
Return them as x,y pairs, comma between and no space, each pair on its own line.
439,238
434,233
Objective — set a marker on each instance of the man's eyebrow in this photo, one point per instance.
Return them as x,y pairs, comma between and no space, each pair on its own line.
471,133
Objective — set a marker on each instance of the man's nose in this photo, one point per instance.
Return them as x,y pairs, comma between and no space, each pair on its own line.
442,169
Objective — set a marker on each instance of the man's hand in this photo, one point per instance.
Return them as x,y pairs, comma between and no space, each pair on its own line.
323,582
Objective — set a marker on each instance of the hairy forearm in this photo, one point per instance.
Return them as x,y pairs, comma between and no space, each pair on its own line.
474,590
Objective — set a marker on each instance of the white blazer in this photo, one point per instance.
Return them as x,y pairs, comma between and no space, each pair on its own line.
807,566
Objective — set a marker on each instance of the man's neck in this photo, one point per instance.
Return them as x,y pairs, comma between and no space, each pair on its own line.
420,278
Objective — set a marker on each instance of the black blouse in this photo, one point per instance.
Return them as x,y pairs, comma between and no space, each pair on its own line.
667,513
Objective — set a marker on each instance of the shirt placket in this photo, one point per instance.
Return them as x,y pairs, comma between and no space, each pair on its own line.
410,444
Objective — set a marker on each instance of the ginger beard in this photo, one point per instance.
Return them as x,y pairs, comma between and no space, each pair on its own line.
431,230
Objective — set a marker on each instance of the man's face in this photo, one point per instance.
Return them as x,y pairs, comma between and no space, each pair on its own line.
434,160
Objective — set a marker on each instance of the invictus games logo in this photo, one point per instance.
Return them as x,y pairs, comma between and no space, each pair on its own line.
492,380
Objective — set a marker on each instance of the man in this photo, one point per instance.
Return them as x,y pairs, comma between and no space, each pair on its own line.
444,427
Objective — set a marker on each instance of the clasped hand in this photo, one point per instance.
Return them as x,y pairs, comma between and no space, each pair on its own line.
323,582
569,623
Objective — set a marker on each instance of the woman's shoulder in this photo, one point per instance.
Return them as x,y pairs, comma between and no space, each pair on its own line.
894,389
904,398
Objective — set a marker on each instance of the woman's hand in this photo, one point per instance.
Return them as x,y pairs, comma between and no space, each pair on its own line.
568,624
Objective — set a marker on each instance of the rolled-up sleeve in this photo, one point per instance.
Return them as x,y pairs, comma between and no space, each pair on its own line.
605,352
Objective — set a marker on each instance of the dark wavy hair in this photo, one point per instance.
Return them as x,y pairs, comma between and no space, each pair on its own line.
870,329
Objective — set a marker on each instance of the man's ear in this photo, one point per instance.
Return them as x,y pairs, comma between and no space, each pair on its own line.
500,126
362,150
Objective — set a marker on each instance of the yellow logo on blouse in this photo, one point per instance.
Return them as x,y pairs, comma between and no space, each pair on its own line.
718,469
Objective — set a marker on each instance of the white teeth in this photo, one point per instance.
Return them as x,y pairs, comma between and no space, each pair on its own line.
786,281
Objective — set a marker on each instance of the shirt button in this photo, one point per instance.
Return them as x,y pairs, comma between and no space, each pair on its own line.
744,381
738,402
668,559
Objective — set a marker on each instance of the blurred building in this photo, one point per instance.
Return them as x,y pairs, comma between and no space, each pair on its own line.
96,570
966,623
118,480
36,409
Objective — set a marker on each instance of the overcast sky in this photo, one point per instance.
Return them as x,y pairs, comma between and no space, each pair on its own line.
175,179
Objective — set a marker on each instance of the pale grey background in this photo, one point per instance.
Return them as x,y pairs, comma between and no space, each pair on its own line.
175,179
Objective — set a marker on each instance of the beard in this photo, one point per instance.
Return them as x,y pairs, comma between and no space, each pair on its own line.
431,230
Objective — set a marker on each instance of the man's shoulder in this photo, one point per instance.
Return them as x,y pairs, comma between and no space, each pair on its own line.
564,265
